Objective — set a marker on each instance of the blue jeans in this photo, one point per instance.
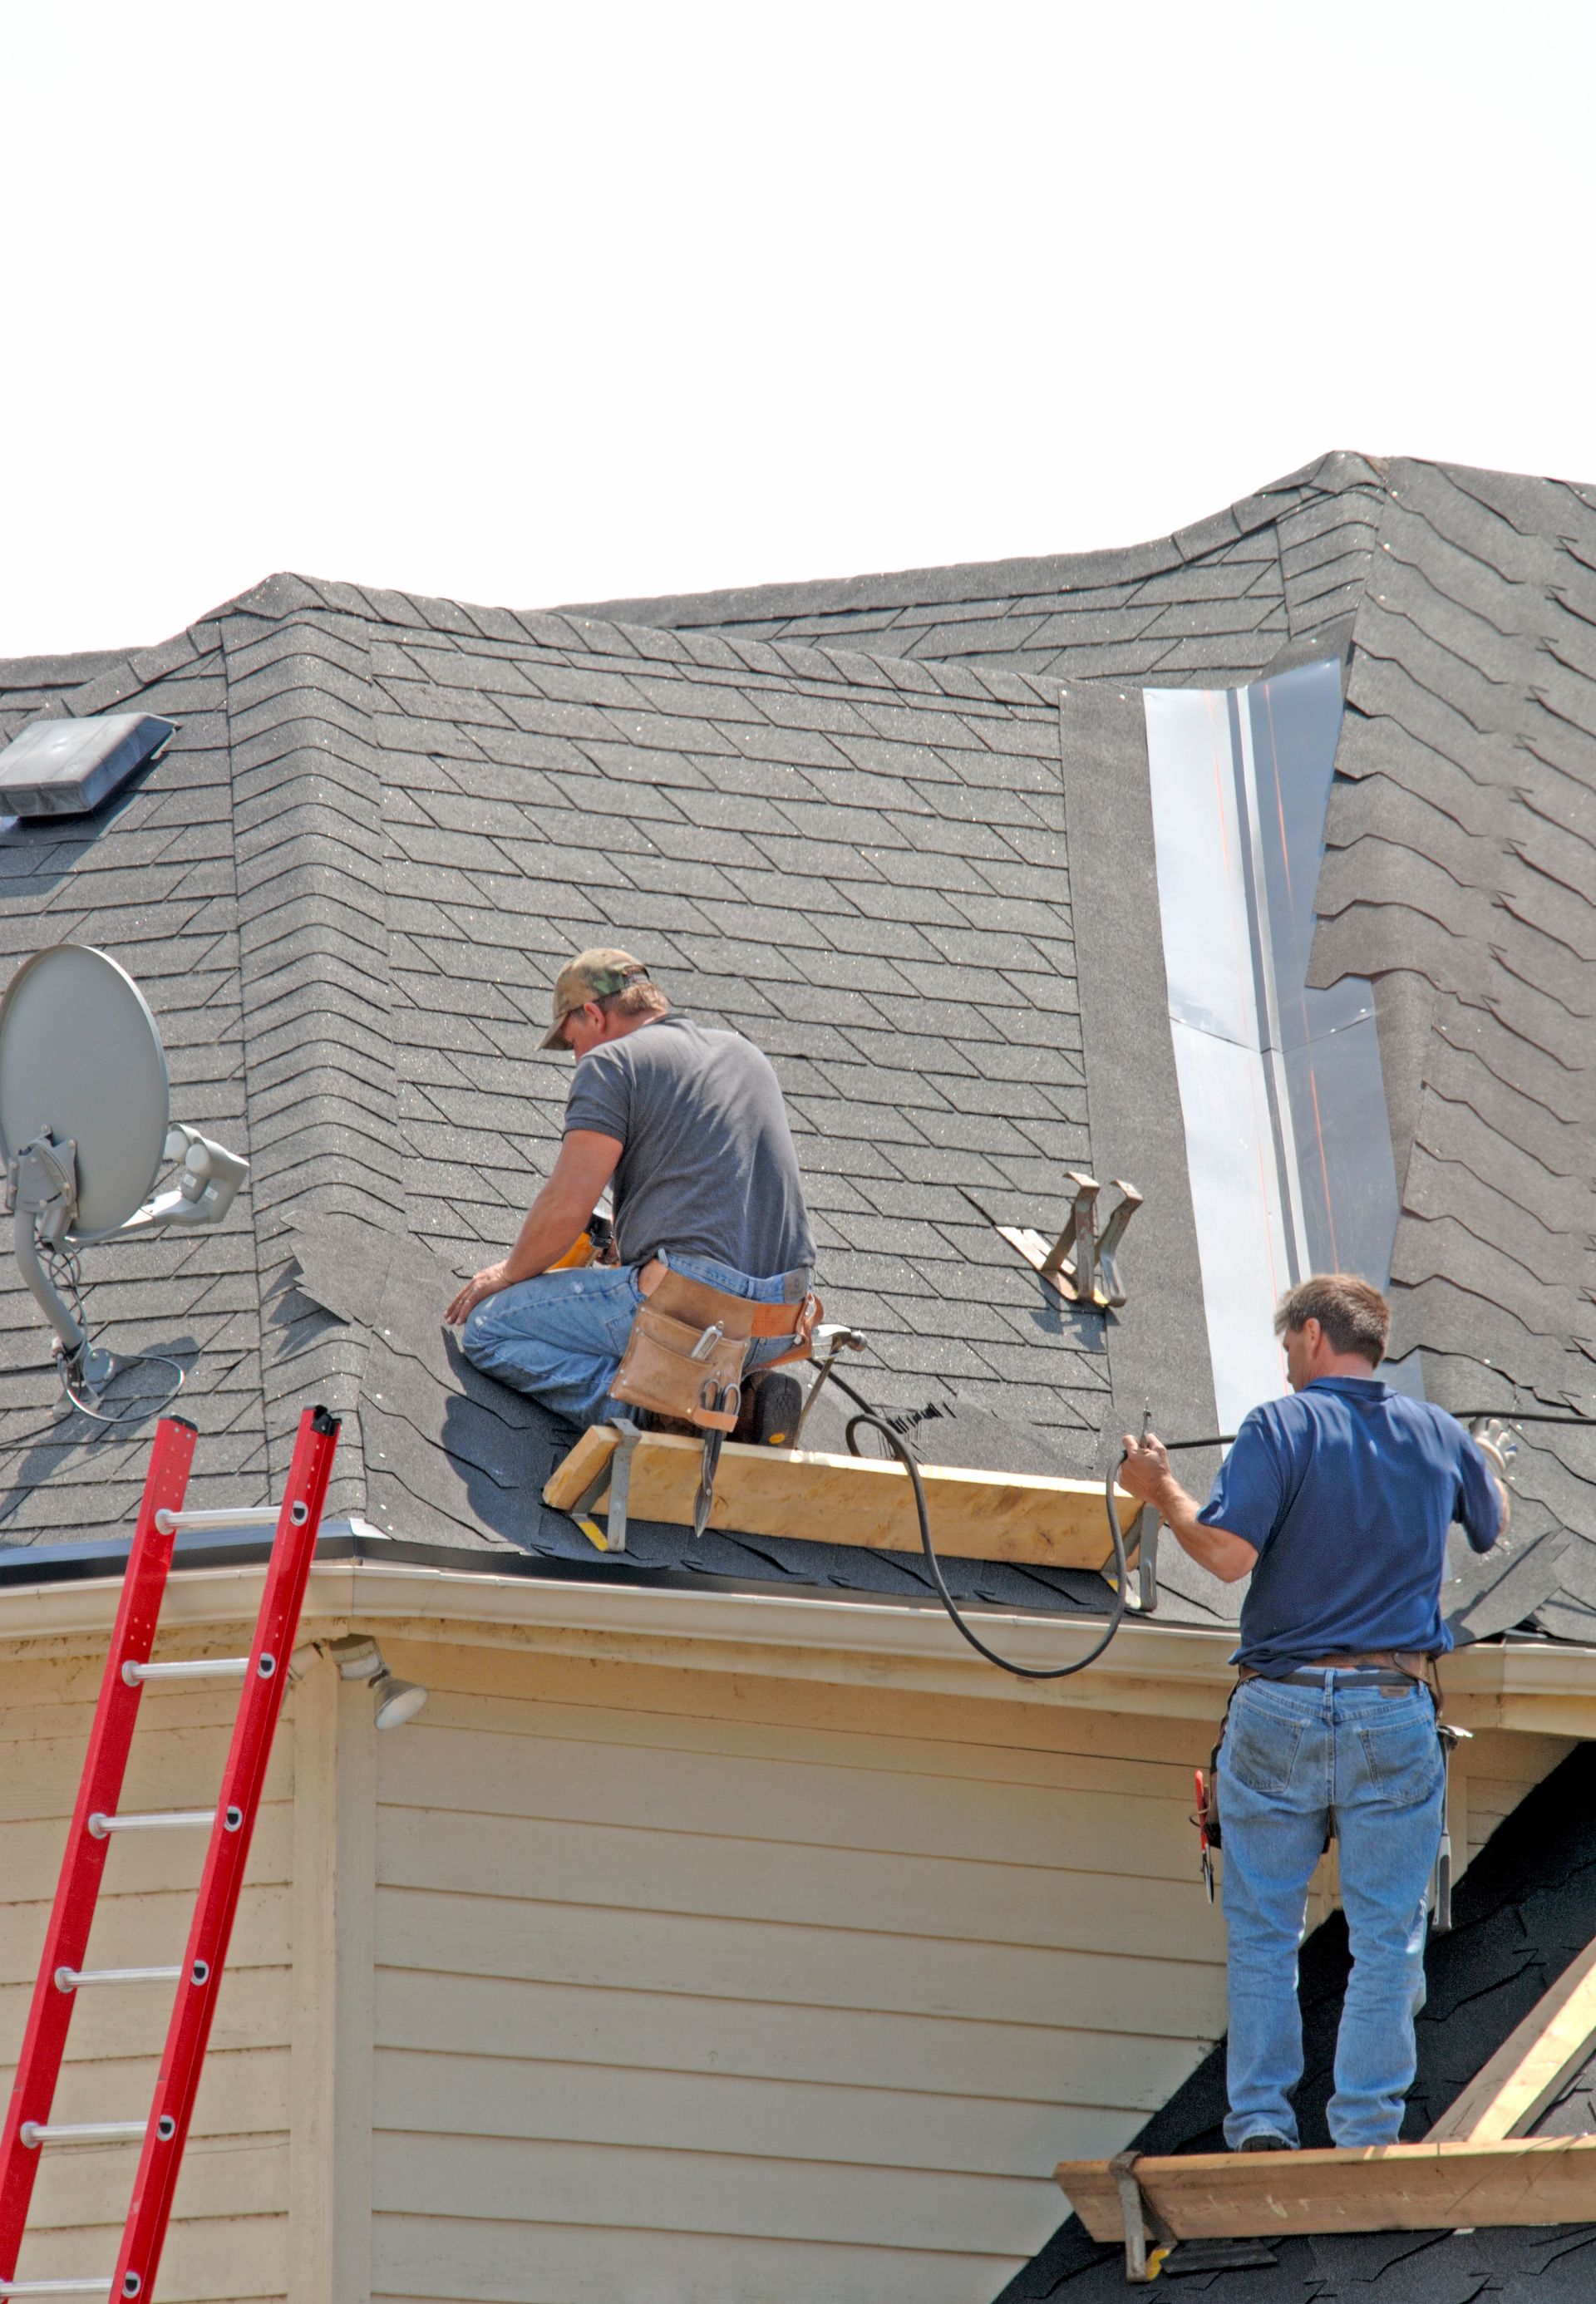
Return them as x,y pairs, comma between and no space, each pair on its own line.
560,1337
1292,1756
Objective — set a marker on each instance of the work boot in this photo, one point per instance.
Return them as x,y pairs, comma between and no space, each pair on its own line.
771,1401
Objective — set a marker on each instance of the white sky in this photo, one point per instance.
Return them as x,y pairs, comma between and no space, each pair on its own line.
552,302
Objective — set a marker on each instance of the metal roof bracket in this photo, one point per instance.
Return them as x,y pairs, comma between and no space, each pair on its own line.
1141,2224
1083,1263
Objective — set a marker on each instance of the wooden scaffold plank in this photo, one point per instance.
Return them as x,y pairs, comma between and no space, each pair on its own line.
1429,2187
861,1500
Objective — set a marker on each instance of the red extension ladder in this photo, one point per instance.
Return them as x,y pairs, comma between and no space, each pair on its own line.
95,1818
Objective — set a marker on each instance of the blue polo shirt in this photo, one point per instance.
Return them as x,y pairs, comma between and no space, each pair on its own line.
1346,1489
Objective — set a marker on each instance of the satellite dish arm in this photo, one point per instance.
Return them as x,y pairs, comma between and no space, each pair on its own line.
203,1192
43,1195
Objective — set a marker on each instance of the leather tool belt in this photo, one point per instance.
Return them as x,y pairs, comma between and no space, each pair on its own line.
689,1346
1390,1670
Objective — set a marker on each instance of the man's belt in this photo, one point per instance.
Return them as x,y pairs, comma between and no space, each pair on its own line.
1379,1667
746,1318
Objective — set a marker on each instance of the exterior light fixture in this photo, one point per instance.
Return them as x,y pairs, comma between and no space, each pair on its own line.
359,1658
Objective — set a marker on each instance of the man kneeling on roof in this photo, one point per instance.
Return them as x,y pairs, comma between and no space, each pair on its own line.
688,1128
1338,1501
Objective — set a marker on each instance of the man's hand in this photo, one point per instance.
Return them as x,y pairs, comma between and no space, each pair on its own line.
486,1283
1145,1474
1146,1468
555,1221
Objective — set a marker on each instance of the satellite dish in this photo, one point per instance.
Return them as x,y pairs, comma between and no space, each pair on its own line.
80,1059
85,1131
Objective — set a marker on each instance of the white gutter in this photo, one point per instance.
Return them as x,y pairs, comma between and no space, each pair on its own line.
1151,1668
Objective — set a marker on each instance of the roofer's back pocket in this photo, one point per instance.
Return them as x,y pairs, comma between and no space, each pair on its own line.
1261,1744
1402,1752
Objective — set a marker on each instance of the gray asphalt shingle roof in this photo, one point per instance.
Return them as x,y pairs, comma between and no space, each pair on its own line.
1211,606
384,820
381,827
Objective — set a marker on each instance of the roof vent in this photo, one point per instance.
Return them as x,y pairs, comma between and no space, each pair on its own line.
66,767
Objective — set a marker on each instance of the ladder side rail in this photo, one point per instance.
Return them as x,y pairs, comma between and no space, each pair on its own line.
83,1859
243,1779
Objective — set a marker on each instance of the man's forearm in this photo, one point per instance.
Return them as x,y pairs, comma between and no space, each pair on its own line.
552,1224
1226,1556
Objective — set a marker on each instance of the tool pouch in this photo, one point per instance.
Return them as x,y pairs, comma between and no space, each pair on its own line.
669,1367
685,1354
689,1346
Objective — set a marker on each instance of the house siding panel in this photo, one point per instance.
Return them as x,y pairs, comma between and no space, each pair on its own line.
228,2238
760,1989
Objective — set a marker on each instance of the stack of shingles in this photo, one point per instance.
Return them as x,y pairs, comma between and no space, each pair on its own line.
1462,858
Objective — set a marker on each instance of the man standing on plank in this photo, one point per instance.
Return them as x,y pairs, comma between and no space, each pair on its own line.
1337,1500
688,1127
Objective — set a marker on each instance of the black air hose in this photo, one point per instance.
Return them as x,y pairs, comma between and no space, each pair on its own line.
868,1420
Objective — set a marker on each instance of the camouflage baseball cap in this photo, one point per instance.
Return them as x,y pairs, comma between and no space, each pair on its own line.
591,975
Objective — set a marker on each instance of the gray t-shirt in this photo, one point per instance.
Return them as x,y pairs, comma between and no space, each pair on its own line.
707,1167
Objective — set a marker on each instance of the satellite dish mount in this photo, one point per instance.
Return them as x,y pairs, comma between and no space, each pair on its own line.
86,1132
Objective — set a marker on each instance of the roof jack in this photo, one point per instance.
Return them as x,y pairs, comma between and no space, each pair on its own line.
1083,1262
86,1133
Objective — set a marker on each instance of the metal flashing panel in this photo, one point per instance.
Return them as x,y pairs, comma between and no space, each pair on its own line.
67,767
1288,1140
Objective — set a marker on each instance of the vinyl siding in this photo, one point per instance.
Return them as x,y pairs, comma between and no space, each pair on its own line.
697,1988
606,1980
228,2239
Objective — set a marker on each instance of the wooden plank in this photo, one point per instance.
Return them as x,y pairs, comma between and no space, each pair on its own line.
169,1769
140,1863
859,1500
221,2177
241,2094
1389,2187
1507,2095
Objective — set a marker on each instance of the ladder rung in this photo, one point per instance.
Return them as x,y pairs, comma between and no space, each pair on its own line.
185,1820
34,2132
173,1523
187,1668
55,2287
68,1979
